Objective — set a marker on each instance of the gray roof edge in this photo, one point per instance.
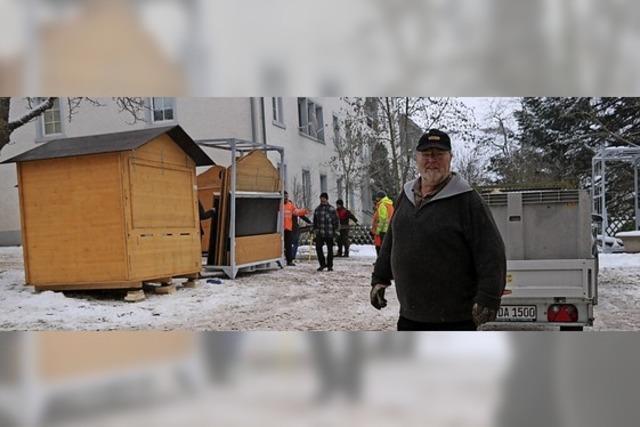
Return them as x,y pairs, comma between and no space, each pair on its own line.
18,159
58,148
189,146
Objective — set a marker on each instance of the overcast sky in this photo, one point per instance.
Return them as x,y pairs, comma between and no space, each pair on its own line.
481,106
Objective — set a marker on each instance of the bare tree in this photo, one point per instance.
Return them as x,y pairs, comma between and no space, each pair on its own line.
351,137
498,133
402,121
470,164
7,126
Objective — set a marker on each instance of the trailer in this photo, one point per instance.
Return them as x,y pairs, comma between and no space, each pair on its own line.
552,259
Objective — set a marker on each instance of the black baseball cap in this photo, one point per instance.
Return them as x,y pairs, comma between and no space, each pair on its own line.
434,138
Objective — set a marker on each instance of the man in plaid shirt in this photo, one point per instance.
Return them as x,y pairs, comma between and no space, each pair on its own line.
325,226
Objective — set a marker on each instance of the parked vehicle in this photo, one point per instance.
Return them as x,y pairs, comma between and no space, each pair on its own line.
552,257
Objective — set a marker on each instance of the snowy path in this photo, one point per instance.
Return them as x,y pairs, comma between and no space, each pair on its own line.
618,293
296,298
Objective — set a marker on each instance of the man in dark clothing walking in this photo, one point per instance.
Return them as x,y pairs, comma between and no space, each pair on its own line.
325,226
442,248
344,215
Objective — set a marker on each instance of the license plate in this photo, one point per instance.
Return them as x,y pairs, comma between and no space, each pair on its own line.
517,313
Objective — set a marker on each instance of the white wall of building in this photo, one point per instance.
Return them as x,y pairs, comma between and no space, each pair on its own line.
303,152
200,117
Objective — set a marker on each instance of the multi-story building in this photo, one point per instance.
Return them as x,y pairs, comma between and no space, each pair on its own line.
305,127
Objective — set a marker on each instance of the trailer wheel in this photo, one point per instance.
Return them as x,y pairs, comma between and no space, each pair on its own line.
571,328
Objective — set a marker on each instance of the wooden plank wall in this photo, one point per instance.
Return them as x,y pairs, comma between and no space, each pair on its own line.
165,254
209,183
255,172
72,219
258,248
164,232
161,196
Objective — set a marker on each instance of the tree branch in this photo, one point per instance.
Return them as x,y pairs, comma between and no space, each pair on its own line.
26,118
135,106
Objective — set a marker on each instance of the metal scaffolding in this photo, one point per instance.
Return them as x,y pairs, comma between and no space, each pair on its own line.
599,184
238,147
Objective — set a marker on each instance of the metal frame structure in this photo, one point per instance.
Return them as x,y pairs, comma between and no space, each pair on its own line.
240,146
599,183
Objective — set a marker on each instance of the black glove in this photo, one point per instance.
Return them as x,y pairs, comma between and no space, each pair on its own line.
482,314
377,296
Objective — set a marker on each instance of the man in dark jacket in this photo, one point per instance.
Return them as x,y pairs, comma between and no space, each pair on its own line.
325,225
443,248
344,215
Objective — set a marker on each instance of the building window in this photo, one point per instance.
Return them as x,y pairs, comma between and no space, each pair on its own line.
319,123
163,109
277,106
336,128
310,118
283,168
323,183
52,120
306,187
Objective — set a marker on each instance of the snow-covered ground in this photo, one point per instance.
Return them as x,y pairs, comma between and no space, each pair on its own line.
618,293
295,298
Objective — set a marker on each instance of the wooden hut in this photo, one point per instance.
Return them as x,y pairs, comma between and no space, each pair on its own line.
110,211
257,236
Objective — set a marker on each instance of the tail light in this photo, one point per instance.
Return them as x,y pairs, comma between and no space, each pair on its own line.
562,313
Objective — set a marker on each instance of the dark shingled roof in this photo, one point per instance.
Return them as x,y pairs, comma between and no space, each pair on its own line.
112,142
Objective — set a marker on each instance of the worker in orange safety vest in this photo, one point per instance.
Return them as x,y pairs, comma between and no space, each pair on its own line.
290,210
